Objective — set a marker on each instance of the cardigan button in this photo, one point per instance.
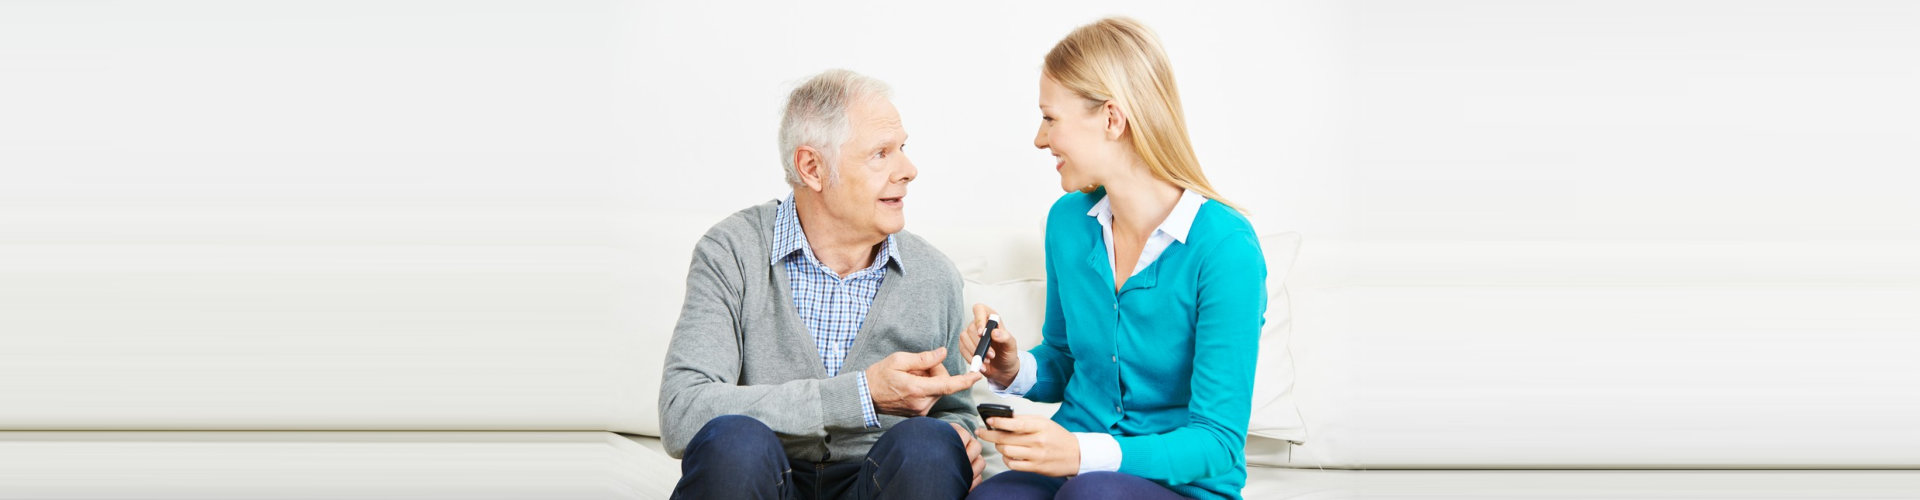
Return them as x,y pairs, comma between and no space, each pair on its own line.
1116,358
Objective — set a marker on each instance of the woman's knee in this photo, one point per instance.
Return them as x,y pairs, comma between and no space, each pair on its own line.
1018,485
1102,485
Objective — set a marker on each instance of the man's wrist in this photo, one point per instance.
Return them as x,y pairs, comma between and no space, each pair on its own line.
869,414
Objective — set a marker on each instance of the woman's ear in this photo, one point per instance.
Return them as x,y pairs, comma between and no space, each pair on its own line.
811,166
1116,120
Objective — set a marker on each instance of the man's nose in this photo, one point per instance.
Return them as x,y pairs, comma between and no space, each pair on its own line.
907,171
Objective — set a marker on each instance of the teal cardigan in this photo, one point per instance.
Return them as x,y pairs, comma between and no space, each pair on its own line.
1166,365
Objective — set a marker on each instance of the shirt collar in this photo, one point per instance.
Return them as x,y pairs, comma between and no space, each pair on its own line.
788,238
1179,222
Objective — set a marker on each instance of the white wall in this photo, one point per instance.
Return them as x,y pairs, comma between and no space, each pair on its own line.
1255,77
1638,120
1717,120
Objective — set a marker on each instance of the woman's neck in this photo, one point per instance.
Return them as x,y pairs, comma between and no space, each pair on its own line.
1141,202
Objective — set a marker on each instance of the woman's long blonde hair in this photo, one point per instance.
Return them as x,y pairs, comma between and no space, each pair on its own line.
1118,59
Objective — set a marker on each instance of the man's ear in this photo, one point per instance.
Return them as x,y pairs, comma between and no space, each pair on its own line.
811,166
1116,120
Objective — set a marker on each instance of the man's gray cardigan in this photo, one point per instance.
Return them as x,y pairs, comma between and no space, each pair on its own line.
741,349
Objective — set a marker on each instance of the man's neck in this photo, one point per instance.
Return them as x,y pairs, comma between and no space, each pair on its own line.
840,248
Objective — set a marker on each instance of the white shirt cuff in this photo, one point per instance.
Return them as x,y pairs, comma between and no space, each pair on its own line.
1021,381
1098,452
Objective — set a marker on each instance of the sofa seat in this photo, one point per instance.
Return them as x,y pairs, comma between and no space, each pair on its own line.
326,465
602,465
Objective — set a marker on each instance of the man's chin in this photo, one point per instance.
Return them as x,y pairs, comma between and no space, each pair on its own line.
893,226
891,220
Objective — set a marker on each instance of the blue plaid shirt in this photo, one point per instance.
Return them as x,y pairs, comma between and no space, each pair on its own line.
832,307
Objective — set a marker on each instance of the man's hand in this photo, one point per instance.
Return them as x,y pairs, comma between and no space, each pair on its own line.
908,383
1002,362
1035,444
973,453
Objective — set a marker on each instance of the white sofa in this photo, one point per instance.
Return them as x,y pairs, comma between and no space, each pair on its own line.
491,370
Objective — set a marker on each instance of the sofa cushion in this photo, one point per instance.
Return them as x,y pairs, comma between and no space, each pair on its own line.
1276,421
1605,354
288,465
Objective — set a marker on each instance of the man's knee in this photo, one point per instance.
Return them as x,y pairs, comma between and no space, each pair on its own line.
925,431
733,456
733,437
919,442
919,458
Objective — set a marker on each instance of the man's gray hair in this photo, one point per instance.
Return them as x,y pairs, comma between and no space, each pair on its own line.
817,117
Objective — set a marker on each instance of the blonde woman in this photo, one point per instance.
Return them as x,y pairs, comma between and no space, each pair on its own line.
1155,295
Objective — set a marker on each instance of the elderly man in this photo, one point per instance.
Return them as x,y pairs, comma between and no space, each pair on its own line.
815,353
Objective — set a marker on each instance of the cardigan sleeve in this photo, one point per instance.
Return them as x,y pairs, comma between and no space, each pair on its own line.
702,373
1229,314
1054,359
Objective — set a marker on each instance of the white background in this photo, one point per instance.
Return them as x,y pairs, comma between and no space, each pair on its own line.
394,215
1694,120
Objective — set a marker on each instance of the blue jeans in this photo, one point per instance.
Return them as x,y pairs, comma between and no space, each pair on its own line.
735,456
1092,485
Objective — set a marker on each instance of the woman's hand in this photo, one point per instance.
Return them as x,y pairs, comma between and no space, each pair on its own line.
1034,444
1002,362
